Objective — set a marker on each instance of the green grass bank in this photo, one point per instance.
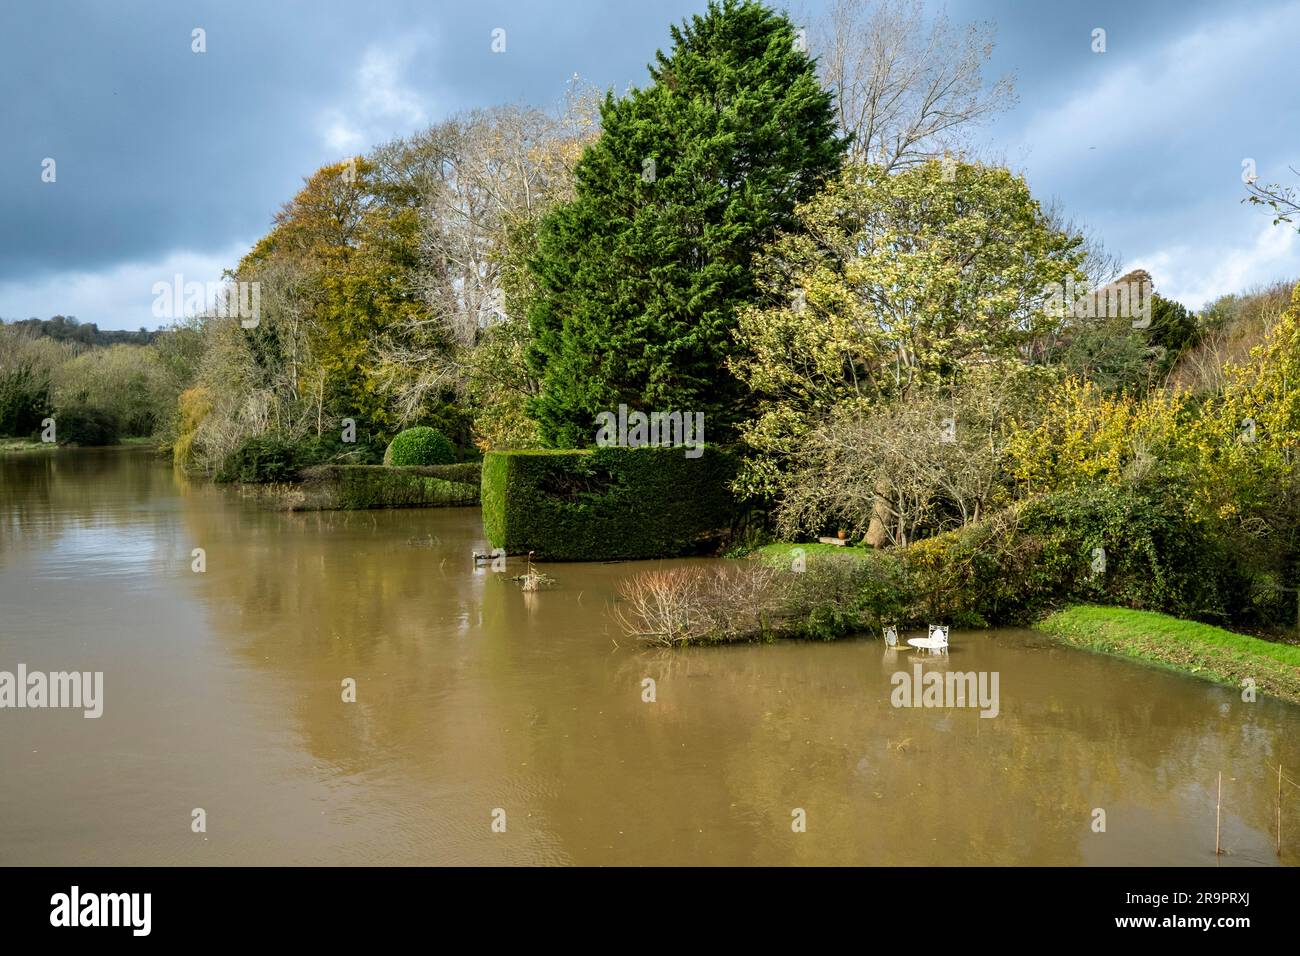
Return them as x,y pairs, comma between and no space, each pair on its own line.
1186,646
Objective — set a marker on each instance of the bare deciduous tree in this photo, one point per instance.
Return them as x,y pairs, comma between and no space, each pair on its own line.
481,181
906,88
897,471
263,378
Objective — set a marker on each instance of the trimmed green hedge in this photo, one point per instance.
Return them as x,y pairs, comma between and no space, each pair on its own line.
607,504
353,487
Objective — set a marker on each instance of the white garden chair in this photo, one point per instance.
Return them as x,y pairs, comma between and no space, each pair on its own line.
939,638
937,641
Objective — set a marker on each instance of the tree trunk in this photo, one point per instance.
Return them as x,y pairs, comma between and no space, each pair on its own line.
877,536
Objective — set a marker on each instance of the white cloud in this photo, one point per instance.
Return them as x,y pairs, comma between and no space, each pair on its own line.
383,93
339,136
1147,151
381,103
117,298
1197,274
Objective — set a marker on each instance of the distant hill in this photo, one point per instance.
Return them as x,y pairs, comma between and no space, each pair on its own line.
66,328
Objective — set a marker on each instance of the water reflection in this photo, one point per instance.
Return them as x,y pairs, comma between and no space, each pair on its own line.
224,691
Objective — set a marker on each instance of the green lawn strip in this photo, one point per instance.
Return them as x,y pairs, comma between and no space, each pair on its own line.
781,553
1202,650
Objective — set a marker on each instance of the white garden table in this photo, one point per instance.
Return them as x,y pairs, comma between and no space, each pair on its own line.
928,643
936,640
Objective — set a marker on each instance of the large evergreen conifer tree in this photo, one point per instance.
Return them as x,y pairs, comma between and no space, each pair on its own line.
641,275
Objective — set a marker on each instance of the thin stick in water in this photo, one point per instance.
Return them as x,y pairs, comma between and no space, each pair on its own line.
1218,804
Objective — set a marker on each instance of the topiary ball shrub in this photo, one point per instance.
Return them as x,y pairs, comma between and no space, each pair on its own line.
420,446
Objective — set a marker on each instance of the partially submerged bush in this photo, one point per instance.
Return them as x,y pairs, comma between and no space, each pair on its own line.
757,600
697,605
276,458
86,425
420,446
841,594
533,579
663,607
263,458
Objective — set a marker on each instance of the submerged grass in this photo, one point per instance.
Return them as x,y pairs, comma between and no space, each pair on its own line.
36,445
25,444
1193,648
355,487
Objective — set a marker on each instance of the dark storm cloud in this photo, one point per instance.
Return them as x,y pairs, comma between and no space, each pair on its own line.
159,148
169,159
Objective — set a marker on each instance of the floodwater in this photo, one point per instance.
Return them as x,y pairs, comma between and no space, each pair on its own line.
475,702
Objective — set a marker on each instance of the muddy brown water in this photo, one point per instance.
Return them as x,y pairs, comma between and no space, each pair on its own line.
222,691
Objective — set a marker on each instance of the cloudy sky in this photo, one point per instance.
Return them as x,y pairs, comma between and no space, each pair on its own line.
169,161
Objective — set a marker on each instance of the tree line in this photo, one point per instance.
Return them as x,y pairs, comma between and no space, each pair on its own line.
510,272
66,328
785,229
